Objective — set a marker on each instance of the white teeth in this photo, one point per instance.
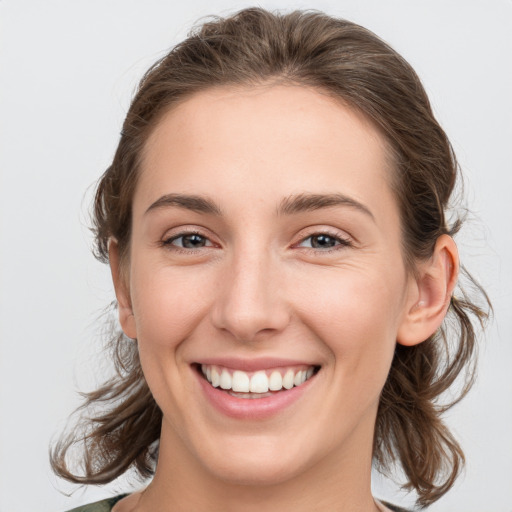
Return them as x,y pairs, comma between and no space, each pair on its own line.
260,384
275,382
240,382
288,379
215,377
225,380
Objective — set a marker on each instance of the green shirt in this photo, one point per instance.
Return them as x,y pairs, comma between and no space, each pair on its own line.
100,506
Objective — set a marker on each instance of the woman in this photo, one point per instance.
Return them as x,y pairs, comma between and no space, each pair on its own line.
274,219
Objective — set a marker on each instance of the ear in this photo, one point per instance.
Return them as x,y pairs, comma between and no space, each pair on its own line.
122,289
431,292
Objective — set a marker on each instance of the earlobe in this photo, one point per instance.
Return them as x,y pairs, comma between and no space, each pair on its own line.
430,299
122,290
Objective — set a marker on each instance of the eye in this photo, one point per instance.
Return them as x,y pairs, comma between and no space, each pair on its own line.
188,241
323,241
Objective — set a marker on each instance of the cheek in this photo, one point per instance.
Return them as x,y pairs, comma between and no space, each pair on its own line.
167,305
357,318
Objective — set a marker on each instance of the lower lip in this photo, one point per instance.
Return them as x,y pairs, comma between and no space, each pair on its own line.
252,408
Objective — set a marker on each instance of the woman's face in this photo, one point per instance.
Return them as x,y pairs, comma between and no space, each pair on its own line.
265,250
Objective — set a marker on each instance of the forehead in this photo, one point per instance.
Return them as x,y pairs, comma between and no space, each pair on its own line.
292,138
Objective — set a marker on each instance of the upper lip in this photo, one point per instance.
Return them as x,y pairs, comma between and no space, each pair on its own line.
253,364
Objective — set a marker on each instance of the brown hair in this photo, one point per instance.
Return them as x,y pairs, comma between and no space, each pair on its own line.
352,64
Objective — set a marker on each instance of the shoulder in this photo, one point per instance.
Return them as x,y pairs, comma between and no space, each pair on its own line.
99,506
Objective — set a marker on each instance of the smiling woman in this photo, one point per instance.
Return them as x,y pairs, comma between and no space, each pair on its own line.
274,219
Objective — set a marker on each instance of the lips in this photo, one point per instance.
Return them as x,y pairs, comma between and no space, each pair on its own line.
231,386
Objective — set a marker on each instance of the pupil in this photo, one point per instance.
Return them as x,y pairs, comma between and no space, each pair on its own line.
193,241
322,241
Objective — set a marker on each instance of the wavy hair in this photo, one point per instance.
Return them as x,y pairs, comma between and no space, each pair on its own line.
352,64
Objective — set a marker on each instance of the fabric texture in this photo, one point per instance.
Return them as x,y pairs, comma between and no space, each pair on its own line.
100,506
106,505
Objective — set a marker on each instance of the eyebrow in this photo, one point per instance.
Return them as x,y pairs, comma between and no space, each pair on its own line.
189,202
288,206
310,202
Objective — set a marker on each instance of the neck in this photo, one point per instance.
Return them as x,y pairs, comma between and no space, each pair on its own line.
339,481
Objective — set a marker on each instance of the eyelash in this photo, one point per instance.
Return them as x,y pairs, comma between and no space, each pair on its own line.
340,242
168,243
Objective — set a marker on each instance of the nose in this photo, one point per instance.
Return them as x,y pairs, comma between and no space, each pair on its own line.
250,301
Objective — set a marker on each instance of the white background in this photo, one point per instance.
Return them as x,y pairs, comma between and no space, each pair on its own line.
68,69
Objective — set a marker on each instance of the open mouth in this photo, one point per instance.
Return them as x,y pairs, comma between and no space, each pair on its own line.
258,384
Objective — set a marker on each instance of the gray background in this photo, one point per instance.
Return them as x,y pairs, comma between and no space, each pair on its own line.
68,69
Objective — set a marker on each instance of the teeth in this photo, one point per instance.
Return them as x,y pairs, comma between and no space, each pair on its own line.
225,380
275,382
288,379
259,382
215,377
240,382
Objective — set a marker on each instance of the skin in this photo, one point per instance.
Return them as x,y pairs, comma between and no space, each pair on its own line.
260,286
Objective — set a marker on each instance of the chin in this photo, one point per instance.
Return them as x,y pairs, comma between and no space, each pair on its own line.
251,473
261,463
